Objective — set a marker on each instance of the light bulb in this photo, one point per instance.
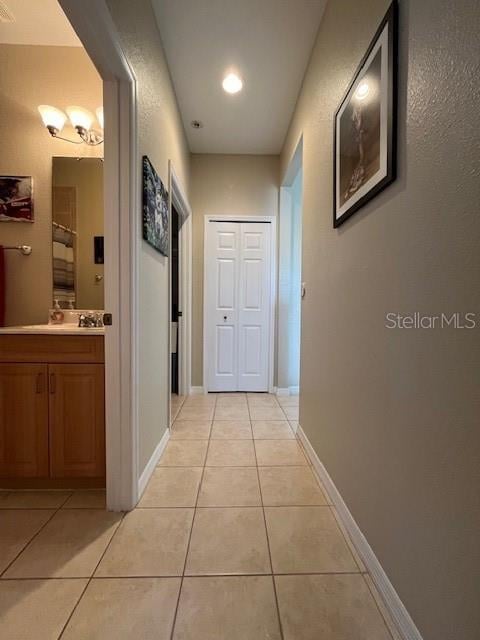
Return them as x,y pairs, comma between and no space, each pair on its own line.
80,117
232,83
99,114
363,90
52,117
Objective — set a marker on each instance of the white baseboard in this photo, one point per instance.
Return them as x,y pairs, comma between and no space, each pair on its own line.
152,463
288,391
395,607
196,391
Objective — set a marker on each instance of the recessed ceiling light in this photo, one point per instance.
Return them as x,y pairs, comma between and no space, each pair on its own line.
232,83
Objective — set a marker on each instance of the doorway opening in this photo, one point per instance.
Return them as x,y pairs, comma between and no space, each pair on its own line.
93,25
290,278
180,266
175,301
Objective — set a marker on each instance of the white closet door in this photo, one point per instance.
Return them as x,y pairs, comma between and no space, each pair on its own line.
237,305
254,301
221,299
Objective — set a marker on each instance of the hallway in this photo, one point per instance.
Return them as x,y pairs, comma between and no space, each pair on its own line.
233,538
212,196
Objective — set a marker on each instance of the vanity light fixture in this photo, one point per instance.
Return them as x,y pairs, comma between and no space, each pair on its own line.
81,120
232,83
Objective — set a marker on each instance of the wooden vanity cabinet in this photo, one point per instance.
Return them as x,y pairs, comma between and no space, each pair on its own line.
52,409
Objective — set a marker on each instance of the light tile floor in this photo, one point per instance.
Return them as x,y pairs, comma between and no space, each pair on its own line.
233,539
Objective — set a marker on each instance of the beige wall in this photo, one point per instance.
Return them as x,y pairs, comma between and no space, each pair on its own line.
394,415
227,185
87,178
33,75
161,137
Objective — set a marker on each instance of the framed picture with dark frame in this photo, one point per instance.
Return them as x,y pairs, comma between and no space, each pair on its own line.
155,209
16,199
365,125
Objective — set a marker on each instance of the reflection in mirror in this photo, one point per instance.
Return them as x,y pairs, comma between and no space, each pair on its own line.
77,232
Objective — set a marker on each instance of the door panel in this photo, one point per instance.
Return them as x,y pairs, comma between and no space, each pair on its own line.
252,240
252,285
237,305
226,240
251,361
254,306
225,290
225,350
77,420
23,421
222,247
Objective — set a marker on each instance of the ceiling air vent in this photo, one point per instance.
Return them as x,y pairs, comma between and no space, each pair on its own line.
5,13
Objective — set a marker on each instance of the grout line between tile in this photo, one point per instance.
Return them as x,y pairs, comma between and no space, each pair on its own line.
239,506
267,538
196,575
237,466
28,543
174,621
91,577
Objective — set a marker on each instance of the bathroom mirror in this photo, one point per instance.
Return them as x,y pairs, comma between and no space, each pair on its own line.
77,232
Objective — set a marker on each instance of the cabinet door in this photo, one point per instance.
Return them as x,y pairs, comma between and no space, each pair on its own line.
23,421
77,420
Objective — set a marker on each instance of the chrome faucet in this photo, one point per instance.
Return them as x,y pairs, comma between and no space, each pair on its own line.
90,320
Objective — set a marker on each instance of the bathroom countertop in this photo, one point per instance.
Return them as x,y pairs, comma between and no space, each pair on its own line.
65,329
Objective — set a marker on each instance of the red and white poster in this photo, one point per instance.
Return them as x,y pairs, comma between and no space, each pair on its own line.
16,198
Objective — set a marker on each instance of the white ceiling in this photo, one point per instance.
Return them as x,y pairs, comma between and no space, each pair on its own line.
268,42
37,22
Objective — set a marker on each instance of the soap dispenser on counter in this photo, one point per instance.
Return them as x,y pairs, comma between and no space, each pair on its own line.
57,316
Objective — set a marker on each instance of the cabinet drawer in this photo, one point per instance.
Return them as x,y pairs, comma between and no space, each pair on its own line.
48,348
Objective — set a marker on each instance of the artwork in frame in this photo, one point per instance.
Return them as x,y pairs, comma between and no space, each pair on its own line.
365,125
16,199
155,209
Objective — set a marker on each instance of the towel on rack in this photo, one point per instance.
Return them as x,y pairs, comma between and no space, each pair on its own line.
69,260
63,273
59,251
65,297
69,255
58,235
2,287
60,276
63,235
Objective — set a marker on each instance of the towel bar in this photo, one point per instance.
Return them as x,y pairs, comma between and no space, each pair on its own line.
25,249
